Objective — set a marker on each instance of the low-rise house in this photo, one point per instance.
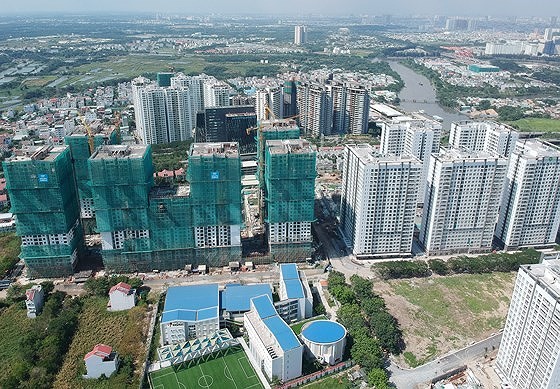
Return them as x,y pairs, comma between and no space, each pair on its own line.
34,299
121,297
102,360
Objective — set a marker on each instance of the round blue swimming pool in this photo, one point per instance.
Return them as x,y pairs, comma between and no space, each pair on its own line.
323,331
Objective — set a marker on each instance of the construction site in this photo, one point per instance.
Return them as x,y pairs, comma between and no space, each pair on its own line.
105,191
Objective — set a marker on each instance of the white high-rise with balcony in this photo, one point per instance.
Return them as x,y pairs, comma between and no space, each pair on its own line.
273,98
378,201
417,136
529,355
530,205
491,137
462,199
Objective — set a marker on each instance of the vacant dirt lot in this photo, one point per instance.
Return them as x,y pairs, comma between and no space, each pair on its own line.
440,314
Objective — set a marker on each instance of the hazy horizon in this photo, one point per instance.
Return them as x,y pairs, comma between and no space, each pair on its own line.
539,8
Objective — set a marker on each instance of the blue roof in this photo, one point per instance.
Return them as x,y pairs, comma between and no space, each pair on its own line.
289,271
290,276
294,289
191,303
237,298
283,334
323,331
264,306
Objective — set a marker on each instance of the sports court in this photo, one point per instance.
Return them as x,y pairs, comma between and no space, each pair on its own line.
223,370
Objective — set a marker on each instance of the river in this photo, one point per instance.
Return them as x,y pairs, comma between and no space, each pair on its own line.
419,95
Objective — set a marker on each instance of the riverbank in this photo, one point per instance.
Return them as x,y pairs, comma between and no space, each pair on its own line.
419,94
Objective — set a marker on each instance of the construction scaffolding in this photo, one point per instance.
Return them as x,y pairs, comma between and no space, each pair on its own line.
214,175
40,181
145,227
289,193
289,181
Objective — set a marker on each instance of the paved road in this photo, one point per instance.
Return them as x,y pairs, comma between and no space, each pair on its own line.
409,378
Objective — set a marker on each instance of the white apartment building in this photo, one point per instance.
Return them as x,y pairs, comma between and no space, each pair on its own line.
350,105
274,346
163,114
462,199
530,205
490,137
417,136
216,93
529,354
315,109
273,98
196,88
300,35
379,196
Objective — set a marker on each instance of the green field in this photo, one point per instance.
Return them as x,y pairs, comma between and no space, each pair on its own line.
429,310
222,372
536,125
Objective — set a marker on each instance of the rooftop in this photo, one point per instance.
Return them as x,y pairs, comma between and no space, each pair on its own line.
163,192
264,307
291,280
278,124
225,149
121,287
191,303
100,350
368,155
452,155
533,148
119,151
237,298
323,331
547,274
38,153
289,146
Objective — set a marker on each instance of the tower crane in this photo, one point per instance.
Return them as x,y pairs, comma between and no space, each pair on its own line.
89,131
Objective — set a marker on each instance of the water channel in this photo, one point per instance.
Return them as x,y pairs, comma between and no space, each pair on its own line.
419,95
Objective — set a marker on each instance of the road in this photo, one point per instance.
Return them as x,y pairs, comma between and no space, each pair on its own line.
410,378
337,253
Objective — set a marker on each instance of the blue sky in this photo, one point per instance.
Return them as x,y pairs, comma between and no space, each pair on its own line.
345,7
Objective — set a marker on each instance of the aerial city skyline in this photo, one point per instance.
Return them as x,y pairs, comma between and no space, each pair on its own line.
327,194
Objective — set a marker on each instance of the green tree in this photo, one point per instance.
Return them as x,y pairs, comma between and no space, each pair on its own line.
378,379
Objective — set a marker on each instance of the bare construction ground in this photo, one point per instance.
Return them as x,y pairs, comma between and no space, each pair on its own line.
441,314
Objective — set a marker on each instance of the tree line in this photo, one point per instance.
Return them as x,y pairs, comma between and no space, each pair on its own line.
496,262
372,331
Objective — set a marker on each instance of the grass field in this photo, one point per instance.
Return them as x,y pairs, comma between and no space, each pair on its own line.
439,314
123,330
536,125
337,382
9,251
14,325
223,372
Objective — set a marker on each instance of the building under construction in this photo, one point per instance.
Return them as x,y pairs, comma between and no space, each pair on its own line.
145,227
289,192
276,129
81,149
44,199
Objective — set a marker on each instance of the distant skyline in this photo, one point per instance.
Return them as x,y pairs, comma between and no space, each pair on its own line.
542,8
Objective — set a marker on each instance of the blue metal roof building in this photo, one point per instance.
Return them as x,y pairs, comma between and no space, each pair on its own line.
190,312
274,345
296,300
290,278
237,298
191,303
